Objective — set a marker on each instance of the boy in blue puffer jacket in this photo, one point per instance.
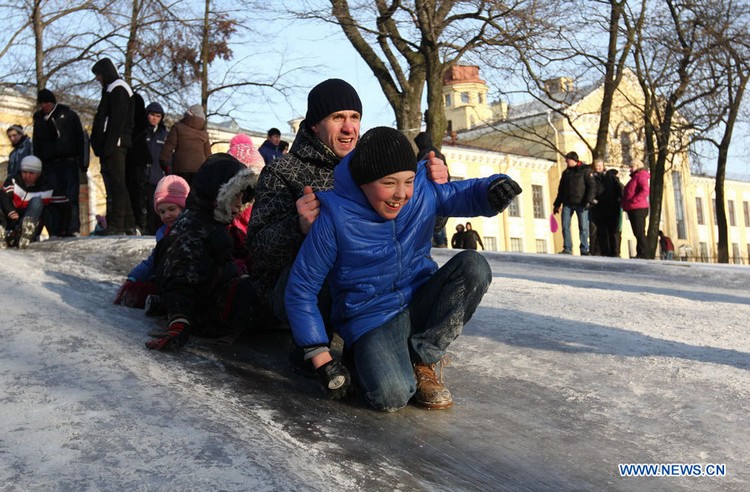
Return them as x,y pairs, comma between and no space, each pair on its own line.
396,311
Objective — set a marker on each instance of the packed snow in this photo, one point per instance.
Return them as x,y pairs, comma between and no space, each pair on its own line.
570,367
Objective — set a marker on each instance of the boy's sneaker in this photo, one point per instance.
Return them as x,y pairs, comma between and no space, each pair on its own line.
154,306
431,394
28,227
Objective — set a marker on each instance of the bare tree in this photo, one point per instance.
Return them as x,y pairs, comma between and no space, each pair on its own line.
57,33
410,45
667,53
726,77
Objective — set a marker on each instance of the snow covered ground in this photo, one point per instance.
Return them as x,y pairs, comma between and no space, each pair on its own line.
570,367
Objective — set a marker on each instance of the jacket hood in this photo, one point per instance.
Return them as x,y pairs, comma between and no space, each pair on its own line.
155,107
217,182
106,69
194,122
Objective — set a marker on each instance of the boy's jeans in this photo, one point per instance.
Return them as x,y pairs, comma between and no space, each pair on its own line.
435,317
583,228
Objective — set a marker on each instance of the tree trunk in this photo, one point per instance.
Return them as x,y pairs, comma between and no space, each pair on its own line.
204,57
38,25
132,44
436,122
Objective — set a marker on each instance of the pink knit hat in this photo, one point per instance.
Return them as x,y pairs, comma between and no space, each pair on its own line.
242,148
171,189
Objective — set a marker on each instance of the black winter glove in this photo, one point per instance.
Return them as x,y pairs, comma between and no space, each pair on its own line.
335,379
502,192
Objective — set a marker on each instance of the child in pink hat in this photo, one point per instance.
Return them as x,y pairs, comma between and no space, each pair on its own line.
241,147
169,201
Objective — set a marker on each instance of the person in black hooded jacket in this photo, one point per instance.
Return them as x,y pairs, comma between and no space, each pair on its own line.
196,275
111,136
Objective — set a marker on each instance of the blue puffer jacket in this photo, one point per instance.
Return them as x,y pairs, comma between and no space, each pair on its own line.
373,265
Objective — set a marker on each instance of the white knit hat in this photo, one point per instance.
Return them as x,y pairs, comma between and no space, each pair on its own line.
32,164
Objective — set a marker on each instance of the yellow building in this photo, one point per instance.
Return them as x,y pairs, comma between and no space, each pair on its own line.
526,142
541,134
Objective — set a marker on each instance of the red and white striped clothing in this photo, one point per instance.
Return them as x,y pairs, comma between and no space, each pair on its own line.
21,194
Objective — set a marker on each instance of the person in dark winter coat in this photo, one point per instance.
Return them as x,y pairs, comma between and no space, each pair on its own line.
156,137
423,140
285,205
606,212
457,241
187,145
471,238
61,143
169,202
111,137
22,147
396,311
575,194
270,149
135,164
196,276
26,198
635,201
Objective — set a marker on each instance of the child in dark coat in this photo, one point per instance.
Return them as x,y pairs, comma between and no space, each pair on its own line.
196,275
396,311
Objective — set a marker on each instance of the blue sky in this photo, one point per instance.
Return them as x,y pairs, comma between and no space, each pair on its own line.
324,48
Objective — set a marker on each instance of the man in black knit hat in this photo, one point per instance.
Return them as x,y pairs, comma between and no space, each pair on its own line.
61,143
285,203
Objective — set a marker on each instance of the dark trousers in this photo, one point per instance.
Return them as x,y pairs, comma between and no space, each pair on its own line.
135,180
638,224
63,220
434,319
119,212
606,223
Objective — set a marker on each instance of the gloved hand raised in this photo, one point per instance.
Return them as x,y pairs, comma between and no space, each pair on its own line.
502,192
335,379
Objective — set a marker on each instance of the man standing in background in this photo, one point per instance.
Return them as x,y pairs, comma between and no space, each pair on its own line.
60,142
111,136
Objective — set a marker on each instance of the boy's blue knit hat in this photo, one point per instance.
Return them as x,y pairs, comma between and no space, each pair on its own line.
380,152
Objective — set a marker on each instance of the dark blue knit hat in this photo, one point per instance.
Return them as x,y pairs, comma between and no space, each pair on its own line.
380,152
328,97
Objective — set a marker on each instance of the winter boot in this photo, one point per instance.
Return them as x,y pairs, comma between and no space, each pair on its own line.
431,394
28,228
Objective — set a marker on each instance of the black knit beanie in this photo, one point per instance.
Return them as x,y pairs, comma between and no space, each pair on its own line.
380,152
328,97
46,96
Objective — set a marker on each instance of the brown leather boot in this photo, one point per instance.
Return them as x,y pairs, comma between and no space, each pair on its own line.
431,394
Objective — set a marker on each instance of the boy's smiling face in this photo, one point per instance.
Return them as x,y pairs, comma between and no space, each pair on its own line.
390,193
